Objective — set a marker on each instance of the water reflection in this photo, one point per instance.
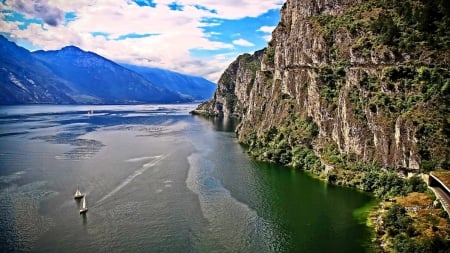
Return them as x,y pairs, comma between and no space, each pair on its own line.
84,218
221,124
78,201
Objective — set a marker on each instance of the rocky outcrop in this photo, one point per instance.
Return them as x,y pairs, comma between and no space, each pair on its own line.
375,94
232,95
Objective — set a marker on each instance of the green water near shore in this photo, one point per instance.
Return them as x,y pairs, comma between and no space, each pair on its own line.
159,180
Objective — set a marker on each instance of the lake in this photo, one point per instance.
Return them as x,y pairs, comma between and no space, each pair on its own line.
157,179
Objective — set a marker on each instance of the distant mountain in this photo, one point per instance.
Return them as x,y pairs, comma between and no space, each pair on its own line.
189,86
99,80
73,76
26,80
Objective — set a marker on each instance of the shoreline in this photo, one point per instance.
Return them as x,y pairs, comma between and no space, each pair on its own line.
374,213
364,214
387,187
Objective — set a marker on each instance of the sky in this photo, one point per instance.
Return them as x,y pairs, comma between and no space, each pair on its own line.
197,37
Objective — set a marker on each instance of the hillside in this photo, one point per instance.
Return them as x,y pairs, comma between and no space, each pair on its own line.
99,80
25,80
73,76
192,87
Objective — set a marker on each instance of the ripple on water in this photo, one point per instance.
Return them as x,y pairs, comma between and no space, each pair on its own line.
11,178
232,225
20,220
83,148
124,212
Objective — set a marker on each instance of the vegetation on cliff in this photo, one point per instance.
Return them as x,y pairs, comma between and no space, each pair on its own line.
414,223
356,92
400,84
276,144
415,27
399,55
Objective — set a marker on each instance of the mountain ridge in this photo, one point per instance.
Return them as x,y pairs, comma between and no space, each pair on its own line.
193,87
19,86
73,76
93,75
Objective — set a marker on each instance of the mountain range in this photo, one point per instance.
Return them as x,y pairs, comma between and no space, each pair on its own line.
193,87
73,76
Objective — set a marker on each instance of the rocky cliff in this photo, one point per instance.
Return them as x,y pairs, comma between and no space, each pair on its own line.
346,84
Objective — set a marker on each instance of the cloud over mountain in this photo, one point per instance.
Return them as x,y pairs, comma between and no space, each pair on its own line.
41,9
242,42
188,37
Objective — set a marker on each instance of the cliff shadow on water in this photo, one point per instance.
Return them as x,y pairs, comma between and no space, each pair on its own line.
356,92
221,124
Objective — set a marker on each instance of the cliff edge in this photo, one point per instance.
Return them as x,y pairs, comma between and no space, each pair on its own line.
356,92
345,84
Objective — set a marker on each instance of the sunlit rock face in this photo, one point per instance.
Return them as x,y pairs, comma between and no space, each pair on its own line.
346,66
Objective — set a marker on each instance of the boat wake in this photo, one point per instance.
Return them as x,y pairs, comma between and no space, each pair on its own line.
154,160
232,224
140,159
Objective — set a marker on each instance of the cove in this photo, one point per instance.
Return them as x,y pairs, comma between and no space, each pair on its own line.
297,212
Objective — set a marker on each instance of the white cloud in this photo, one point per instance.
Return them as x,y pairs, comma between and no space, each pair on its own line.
268,32
210,34
242,42
40,9
267,37
235,9
266,29
178,31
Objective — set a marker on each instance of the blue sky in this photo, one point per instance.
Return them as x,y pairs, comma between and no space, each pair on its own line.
199,37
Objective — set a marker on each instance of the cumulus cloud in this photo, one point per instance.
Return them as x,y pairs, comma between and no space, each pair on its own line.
39,9
266,29
242,42
234,9
175,33
267,37
268,32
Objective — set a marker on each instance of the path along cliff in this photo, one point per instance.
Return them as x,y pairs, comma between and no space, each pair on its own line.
351,80
355,91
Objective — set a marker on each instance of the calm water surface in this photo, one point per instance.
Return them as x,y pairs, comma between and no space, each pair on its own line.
158,180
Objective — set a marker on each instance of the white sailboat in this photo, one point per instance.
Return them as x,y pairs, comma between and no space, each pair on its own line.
84,208
78,194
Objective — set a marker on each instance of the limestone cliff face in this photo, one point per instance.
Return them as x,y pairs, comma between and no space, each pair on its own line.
341,65
232,95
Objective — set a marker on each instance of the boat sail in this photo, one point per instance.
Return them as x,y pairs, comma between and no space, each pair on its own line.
84,208
78,194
